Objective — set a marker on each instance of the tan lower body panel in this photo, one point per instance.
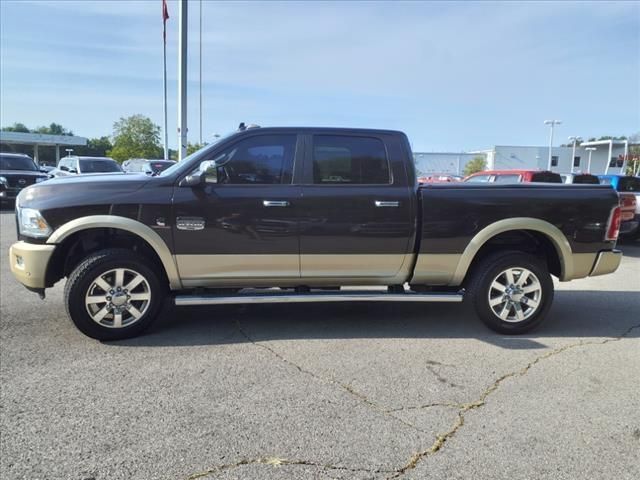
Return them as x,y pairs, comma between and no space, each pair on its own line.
284,270
237,270
435,269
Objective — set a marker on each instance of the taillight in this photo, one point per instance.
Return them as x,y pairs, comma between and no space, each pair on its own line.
628,206
613,227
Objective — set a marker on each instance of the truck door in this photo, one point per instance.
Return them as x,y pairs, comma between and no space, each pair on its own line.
357,213
243,229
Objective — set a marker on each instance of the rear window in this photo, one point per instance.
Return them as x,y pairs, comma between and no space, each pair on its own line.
629,184
9,162
99,166
586,179
349,160
546,177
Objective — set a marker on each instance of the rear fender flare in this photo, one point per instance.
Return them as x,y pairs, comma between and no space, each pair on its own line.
553,233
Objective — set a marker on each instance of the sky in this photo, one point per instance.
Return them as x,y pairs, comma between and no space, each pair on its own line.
453,76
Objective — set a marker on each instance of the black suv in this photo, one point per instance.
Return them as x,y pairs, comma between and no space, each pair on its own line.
17,171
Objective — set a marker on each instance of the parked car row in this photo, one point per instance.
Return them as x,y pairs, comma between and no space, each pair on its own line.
18,170
628,188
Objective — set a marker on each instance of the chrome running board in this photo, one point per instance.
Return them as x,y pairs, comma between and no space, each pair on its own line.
288,297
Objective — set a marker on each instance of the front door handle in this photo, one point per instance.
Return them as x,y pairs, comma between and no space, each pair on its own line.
380,203
275,203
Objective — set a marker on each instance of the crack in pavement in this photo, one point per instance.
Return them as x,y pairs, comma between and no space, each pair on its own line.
275,461
346,387
464,408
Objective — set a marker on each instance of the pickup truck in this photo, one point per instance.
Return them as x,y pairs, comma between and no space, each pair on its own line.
295,215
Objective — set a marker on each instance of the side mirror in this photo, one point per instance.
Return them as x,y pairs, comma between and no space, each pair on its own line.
207,173
195,179
73,170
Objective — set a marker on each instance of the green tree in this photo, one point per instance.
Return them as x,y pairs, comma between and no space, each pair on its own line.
194,147
17,127
95,147
478,164
53,129
135,137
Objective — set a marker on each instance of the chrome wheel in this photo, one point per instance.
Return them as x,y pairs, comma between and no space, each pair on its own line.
515,294
118,298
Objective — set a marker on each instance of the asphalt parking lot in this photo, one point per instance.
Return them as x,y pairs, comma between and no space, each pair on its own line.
324,391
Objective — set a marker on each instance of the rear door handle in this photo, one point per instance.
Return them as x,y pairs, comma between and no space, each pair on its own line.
275,203
380,203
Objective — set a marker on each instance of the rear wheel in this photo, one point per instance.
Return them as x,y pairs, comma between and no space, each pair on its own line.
113,294
511,292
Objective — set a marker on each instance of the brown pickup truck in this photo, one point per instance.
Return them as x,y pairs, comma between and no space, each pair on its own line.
295,214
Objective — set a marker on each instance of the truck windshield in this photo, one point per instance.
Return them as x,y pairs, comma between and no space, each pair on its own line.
99,166
17,163
629,184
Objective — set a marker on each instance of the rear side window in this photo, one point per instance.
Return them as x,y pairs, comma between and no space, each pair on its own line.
507,179
349,160
629,184
546,177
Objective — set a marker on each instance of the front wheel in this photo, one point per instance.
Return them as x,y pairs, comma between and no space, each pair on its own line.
113,294
511,292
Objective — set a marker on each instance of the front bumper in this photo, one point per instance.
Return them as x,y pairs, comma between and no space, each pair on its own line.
607,261
29,263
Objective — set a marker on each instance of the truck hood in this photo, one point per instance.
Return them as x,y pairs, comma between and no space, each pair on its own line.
81,190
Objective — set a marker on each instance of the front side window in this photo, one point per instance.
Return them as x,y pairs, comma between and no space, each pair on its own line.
259,160
347,160
507,179
479,179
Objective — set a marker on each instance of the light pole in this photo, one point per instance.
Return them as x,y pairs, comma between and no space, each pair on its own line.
590,149
551,123
573,155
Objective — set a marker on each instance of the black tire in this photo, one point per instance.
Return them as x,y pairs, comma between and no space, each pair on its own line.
82,279
488,270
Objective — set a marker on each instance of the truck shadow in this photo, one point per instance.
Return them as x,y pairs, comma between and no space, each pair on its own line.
581,314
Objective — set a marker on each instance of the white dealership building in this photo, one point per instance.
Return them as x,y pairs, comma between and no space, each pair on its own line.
607,156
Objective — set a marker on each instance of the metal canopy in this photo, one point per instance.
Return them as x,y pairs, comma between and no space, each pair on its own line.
40,139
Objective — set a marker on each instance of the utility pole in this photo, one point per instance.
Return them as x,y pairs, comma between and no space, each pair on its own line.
551,123
182,80
590,150
573,155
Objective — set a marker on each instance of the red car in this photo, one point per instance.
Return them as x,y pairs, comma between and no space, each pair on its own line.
514,176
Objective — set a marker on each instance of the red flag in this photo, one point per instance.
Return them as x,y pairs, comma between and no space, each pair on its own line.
165,17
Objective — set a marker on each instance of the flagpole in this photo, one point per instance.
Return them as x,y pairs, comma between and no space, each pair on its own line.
182,80
164,82
200,72
164,78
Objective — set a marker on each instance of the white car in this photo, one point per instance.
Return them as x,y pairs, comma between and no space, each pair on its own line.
73,165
